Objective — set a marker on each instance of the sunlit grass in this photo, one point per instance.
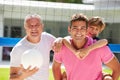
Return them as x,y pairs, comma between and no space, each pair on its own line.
4,73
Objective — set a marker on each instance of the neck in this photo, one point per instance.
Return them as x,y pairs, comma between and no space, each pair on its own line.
79,44
33,40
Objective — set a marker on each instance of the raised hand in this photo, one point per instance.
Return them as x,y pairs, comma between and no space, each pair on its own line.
57,45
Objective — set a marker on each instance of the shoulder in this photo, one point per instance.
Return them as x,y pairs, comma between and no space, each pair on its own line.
63,49
19,46
59,56
89,41
47,35
104,49
21,42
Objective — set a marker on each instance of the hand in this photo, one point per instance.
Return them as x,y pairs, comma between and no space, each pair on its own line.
64,76
28,72
107,77
82,53
57,45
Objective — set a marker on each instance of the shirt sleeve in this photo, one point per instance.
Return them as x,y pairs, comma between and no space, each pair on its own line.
58,56
106,54
50,39
15,58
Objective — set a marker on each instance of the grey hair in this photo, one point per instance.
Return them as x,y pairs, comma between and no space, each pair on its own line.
29,16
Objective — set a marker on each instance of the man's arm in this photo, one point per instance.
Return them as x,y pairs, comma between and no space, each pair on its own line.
57,44
115,67
15,73
56,68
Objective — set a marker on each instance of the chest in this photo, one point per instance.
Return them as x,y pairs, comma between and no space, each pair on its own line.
92,60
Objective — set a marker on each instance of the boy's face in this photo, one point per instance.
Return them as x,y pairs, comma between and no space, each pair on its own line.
93,31
78,30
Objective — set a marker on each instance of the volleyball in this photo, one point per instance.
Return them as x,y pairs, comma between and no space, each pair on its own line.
32,58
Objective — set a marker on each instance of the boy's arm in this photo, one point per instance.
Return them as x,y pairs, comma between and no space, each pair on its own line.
56,68
81,53
97,44
85,51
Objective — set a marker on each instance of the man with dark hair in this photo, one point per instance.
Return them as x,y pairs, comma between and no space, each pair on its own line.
89,68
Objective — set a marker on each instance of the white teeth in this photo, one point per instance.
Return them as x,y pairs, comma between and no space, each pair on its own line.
34,32
78,35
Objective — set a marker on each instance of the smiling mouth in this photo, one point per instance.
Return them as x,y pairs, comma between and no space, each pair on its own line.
34,33
90,34
78,35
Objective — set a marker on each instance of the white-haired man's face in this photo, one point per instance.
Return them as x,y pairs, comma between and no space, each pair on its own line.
33,28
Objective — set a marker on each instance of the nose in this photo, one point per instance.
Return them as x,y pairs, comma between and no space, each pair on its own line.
33,27
79,30
93,31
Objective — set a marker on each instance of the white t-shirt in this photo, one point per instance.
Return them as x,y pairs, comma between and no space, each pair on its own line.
44,46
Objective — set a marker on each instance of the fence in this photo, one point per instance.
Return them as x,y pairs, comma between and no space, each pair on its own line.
10,42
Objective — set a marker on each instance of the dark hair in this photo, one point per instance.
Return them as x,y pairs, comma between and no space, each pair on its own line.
78,17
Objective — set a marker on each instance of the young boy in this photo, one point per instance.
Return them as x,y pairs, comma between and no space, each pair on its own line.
95,27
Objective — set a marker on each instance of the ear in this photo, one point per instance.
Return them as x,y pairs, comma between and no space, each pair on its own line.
43,25
69,29
25,26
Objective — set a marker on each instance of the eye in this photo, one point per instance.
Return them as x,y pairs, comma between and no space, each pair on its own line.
74,28
91,27
83,28
29,26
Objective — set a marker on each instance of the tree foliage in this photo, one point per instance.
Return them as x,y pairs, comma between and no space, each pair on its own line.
64,1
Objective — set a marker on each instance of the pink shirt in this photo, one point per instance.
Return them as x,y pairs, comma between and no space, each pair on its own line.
89,68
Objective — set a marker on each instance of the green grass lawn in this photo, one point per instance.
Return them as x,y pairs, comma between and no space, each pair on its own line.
4,73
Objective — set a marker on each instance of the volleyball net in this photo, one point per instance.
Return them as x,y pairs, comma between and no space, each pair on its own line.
11,42
8,42
56,18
